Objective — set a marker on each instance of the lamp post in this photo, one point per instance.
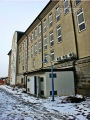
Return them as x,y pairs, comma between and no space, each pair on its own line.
45,61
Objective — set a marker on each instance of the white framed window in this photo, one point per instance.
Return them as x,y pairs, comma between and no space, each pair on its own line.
77,2
35,33
51,39
24,45
40,46
52,54
26,42
57,14
59,36
39,28
66,7
35,46
45,42
28,53
45,56
32,51
81,20
44,25
33,62
50,20
32,36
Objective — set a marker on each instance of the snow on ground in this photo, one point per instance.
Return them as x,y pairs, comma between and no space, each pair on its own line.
75,111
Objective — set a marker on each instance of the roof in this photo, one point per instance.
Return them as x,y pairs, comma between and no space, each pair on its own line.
19,35
9,52
70,68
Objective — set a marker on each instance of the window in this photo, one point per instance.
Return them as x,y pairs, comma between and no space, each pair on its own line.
52,54
45,57
66,7
21,80
23,67
44,26
28,80
55,92
35,46
77,2
42,79
33,62
39,30
32,51
45,42
26,42
28,53
81,21
54,75
57,13
59,33
35,33
32,37
40,46
51,39
50,20
42,92
28,89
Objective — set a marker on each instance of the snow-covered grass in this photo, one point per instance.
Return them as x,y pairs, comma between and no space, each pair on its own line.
80,111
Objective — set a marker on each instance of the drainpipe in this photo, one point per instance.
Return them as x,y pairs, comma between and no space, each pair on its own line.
75,76
27,62
41,38
74,28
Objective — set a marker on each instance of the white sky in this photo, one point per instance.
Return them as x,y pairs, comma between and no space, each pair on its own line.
15,15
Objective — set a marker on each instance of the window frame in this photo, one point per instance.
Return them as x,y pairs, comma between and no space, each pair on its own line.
51,41
50,20
44,25
81,22
35,48
66,8
39,30
57,8
59,28
45,43
31,51
77,3
35,35
40,46
52,53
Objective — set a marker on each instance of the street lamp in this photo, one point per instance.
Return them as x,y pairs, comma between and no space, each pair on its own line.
45,61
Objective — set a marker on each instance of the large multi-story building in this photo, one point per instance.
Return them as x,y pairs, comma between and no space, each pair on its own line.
13,57
60,33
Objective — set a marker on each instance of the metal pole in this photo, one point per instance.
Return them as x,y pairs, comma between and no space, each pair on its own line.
52,78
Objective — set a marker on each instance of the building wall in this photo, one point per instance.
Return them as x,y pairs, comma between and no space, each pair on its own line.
13,59
72,40
63,83
83,39
19,77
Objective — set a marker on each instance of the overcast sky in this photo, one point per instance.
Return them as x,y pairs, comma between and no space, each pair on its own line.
15,15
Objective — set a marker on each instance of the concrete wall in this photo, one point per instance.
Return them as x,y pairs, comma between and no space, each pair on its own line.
63,83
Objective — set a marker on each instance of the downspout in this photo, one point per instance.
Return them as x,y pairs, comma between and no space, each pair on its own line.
27,63
41,39
73,21
74,29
